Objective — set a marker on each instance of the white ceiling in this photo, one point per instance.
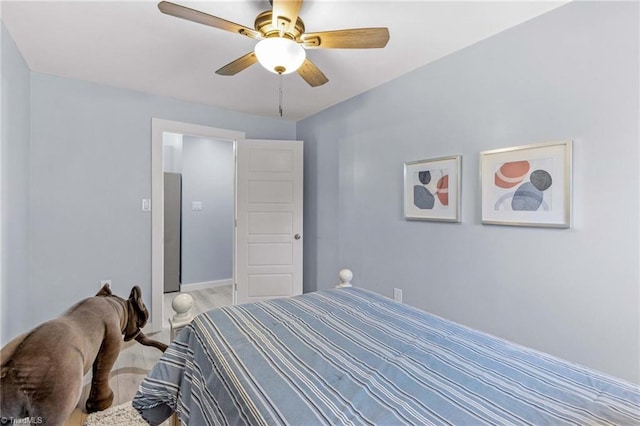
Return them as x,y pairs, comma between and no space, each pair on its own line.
131,44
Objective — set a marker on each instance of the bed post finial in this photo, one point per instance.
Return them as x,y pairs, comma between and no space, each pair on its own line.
345,278
182,305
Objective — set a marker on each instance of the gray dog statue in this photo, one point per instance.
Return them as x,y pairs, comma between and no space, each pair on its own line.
41,372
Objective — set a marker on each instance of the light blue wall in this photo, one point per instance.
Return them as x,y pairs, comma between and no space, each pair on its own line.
15,124
572,73
90,168
207,235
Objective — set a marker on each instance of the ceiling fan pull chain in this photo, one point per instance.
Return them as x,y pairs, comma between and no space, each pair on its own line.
280,94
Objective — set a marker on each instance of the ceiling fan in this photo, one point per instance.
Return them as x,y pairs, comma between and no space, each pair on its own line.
283,40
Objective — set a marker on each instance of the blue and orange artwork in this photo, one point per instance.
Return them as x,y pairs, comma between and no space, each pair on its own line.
531,180
429,194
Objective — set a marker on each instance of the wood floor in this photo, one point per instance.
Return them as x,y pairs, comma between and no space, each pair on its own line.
135,360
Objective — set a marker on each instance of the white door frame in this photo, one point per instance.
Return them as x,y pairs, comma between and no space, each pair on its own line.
158,127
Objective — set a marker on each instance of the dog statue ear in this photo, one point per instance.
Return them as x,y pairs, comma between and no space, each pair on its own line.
104,291
138,314
136,298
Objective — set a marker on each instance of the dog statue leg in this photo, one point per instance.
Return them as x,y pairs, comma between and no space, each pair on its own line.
101,395
144,340
35,383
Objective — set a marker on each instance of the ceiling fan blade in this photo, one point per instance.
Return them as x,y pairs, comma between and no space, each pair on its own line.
193,15
312,74
244,62
356,38
285,14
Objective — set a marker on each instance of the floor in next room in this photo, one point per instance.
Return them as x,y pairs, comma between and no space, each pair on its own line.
135,360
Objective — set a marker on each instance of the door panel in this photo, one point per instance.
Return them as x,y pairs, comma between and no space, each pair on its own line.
268,219
270,223
262,254
261,191
269,285
271,160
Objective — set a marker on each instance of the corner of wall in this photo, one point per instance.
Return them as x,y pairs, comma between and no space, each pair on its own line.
15,131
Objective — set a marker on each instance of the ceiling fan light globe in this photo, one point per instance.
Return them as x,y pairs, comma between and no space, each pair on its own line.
276,54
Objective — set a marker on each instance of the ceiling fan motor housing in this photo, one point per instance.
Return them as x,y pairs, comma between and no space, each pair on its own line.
264,24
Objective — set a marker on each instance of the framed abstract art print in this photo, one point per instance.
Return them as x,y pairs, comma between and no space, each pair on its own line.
527,185
432,189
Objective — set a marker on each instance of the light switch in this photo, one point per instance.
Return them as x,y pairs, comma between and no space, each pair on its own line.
196,206
146,205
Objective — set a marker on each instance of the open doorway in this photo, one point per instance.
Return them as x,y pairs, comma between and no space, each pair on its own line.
197,135
198,220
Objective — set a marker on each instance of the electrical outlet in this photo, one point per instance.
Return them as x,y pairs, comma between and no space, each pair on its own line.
103,282
397,295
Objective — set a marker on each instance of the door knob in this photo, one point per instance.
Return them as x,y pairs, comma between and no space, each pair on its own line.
297,236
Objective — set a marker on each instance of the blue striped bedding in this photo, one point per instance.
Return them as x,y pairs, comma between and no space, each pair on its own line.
349,356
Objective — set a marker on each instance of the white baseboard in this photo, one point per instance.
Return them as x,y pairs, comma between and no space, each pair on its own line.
206,284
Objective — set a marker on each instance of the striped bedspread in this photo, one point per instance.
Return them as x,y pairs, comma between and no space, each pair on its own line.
349,356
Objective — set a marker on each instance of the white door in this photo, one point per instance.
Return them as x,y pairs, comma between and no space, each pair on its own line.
268,261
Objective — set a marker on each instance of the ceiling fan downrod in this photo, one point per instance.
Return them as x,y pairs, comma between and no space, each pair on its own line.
280,93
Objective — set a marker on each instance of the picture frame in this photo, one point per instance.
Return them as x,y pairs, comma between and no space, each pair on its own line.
432,189
527,185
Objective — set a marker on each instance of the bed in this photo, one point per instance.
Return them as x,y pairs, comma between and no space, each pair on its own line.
350,356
